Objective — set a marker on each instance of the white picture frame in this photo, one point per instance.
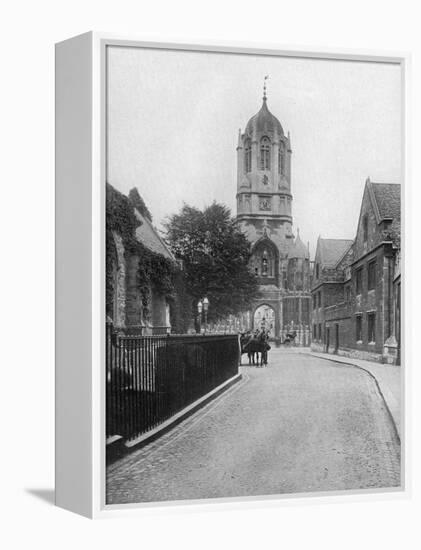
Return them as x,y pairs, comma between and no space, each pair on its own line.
80,266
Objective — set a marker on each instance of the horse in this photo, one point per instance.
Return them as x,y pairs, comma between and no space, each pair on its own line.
253,345
266,347
245,340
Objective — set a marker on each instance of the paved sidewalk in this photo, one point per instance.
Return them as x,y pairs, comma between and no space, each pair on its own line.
389,379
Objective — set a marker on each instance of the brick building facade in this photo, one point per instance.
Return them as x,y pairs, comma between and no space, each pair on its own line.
356,284
330,287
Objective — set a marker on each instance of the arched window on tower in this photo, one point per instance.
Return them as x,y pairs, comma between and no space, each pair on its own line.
264,260
281,158
265,266
247,156
265,153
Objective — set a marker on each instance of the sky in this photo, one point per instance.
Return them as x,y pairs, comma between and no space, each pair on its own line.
174,116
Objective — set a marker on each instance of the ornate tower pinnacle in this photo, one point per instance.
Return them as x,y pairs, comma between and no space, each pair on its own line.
264,87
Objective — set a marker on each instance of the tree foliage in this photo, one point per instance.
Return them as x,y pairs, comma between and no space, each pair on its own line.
215,257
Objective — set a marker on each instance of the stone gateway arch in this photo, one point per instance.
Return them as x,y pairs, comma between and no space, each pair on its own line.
280,259
264,318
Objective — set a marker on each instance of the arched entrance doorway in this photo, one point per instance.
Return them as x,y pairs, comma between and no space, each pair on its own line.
264,317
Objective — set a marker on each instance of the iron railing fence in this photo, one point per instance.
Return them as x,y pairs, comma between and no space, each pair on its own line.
151,378
141,330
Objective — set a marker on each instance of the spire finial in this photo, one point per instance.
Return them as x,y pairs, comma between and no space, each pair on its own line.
264,87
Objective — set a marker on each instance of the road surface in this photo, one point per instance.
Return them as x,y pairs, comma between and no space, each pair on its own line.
302,424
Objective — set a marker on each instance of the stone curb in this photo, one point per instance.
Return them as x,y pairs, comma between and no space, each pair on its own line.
395,423
118,447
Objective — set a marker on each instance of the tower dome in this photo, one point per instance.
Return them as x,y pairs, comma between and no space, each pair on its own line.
264,122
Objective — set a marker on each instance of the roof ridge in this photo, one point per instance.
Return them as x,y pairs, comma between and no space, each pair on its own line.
384,183
386,199
330,254
154,230
334,239
345,252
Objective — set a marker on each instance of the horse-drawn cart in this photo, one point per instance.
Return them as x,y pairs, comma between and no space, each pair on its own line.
256,346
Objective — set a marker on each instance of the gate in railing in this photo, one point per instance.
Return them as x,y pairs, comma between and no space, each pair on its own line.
150,378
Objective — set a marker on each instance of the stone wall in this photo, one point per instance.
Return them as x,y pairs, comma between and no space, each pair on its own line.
129,312
119,298
134,309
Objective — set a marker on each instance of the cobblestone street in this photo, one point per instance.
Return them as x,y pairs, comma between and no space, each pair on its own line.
303,424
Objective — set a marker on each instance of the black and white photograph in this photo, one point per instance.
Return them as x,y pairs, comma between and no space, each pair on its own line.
253,251
210,260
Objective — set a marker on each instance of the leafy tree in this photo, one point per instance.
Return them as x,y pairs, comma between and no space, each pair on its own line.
215,256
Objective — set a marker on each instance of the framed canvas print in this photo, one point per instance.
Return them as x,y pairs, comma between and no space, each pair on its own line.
230,274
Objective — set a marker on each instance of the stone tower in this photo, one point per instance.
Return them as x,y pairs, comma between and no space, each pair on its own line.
264,214
264,196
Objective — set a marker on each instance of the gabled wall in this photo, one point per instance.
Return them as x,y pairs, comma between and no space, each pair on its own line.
341,309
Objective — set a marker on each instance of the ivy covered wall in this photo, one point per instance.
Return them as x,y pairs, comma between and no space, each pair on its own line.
147,273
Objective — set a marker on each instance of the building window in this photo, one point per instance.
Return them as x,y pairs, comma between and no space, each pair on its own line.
358,328
264,267
265,154
281,159
371,328
247,156
317,271
314,331
359,280
319,299
263,261
365,228
320,331
371,275
314,301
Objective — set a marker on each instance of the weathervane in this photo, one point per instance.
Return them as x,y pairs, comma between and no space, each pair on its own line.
264,86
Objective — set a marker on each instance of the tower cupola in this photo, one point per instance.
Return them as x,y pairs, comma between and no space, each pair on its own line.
264,122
